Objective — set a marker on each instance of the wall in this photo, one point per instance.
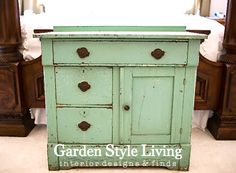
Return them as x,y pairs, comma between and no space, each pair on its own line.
218,6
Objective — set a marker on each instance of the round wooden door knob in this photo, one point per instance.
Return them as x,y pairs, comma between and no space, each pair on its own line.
126,107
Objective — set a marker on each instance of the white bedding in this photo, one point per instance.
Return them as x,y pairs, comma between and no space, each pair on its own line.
211,48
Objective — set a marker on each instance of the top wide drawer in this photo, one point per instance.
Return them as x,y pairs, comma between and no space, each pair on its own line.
105,52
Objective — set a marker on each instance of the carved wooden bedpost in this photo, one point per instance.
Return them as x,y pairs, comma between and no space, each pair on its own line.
223,124
14,117
229,43
10,33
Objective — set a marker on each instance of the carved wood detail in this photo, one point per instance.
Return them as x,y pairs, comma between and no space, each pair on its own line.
229,101
9,89
229,42
201,88
223,124
14,116
208,84
33,85
10,33
16,124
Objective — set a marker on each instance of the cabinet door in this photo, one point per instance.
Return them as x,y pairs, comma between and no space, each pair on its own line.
151,104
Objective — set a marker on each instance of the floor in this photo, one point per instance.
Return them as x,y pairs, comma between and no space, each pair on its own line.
29,155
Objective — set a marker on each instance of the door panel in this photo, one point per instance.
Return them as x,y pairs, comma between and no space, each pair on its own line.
152,95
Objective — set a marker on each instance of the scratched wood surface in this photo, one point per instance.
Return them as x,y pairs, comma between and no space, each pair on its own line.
69,93
119,92
120,52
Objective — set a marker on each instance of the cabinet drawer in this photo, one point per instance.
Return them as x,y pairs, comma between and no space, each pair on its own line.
84,85
84,125
120,52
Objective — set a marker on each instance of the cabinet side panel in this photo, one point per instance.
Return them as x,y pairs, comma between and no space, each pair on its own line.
47,51
177,109
189,91
49,80
193,51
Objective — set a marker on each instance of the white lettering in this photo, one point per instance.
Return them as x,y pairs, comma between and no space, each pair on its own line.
56,150
109,149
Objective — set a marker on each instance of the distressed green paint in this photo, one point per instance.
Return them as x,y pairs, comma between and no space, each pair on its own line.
184,163
177,108
100,130
119,52
118,28
122,89
47,50
153,95
53,160
50,93
121,72
116,105
188,103
125,35
125,99
192,51
66,162
99,79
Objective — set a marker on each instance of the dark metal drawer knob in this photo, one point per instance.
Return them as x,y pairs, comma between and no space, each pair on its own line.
84,86
126,107
158,53
83,52
84,125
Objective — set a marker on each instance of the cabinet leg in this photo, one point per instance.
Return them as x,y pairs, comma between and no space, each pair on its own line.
184,162
53,164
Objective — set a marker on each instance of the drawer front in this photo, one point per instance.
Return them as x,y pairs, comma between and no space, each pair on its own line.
84,125
120,52
84,85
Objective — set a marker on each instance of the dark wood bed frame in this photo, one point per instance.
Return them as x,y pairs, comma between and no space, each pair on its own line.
21,82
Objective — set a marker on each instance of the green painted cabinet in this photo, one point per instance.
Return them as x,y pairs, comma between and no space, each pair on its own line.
119,96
